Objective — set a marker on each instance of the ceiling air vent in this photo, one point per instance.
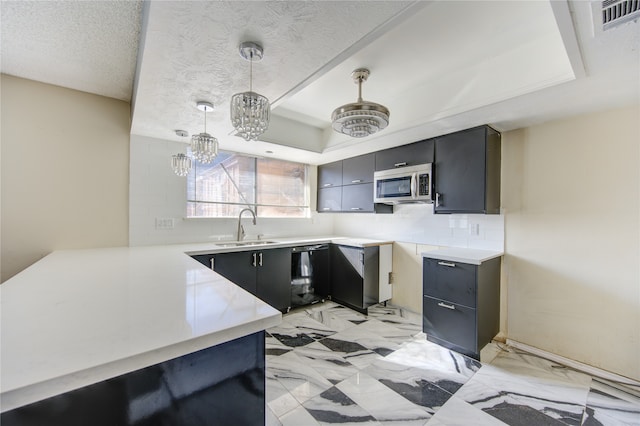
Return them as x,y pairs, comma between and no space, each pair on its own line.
616,12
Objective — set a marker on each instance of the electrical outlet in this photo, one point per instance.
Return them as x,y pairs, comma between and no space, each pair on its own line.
164,223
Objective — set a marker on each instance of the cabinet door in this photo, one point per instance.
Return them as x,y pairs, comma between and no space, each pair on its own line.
357,198
406,155
358,169
320,266
238,268
450,323
330,174
459,174
274,277
371,268
451,281
330,199
347,275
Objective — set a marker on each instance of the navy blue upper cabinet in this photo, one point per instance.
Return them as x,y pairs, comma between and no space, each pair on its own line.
467,172
330,174
347,186
412,154
358,169
330,199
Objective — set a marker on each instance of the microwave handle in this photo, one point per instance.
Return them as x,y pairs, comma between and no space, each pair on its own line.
414,185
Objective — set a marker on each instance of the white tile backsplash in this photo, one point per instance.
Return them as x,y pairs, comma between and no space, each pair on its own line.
417,223
156,193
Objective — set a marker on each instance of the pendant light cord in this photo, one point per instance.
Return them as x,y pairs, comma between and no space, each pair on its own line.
251,72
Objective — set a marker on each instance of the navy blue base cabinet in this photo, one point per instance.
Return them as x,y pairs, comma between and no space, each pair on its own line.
221,385
461,304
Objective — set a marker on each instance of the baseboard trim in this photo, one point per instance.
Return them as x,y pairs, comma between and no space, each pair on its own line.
585,368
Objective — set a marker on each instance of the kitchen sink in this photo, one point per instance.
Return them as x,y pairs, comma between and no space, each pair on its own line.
245,243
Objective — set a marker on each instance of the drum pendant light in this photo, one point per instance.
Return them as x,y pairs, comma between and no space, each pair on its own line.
361,118
250,111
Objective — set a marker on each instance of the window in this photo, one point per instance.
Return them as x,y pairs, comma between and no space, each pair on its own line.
271,188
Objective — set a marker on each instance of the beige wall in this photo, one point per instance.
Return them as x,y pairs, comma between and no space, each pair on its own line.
407,274
571,191
64,169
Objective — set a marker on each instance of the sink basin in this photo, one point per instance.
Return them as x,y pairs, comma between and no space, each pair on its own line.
245,243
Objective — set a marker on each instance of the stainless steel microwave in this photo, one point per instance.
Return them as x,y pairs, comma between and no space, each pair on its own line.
403,185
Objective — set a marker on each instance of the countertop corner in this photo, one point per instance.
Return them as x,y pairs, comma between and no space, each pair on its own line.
464,255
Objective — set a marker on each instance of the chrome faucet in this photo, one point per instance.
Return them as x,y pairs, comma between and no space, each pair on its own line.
240,227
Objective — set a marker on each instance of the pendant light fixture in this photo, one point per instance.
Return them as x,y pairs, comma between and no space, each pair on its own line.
250,111
181,164
361,118
204,147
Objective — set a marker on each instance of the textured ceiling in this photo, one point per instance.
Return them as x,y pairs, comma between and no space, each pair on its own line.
84,45
190,53
439,66
425,65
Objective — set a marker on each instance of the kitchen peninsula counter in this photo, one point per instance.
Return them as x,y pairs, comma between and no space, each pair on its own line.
78,317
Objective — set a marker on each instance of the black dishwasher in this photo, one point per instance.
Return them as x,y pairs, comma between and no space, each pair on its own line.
309,274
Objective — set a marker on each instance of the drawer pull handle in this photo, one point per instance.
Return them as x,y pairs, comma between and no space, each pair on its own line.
449,264
327,184
213,263
356,208
357,181
255,260
326,208
404,163
444,305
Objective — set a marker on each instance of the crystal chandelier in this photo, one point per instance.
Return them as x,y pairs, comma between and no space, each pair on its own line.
361,118
181,164
204,147
250,111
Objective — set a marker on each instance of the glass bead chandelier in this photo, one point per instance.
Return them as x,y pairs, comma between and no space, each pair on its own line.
204,147
361,118
181,164
250,111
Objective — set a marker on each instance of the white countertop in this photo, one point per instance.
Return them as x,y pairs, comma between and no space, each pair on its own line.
464,255
218,247
81,316
77,317
359,242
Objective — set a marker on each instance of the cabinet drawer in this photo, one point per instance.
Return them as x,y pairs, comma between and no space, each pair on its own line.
451,281
447,321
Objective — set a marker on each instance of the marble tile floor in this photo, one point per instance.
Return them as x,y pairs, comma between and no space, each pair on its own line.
327,364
